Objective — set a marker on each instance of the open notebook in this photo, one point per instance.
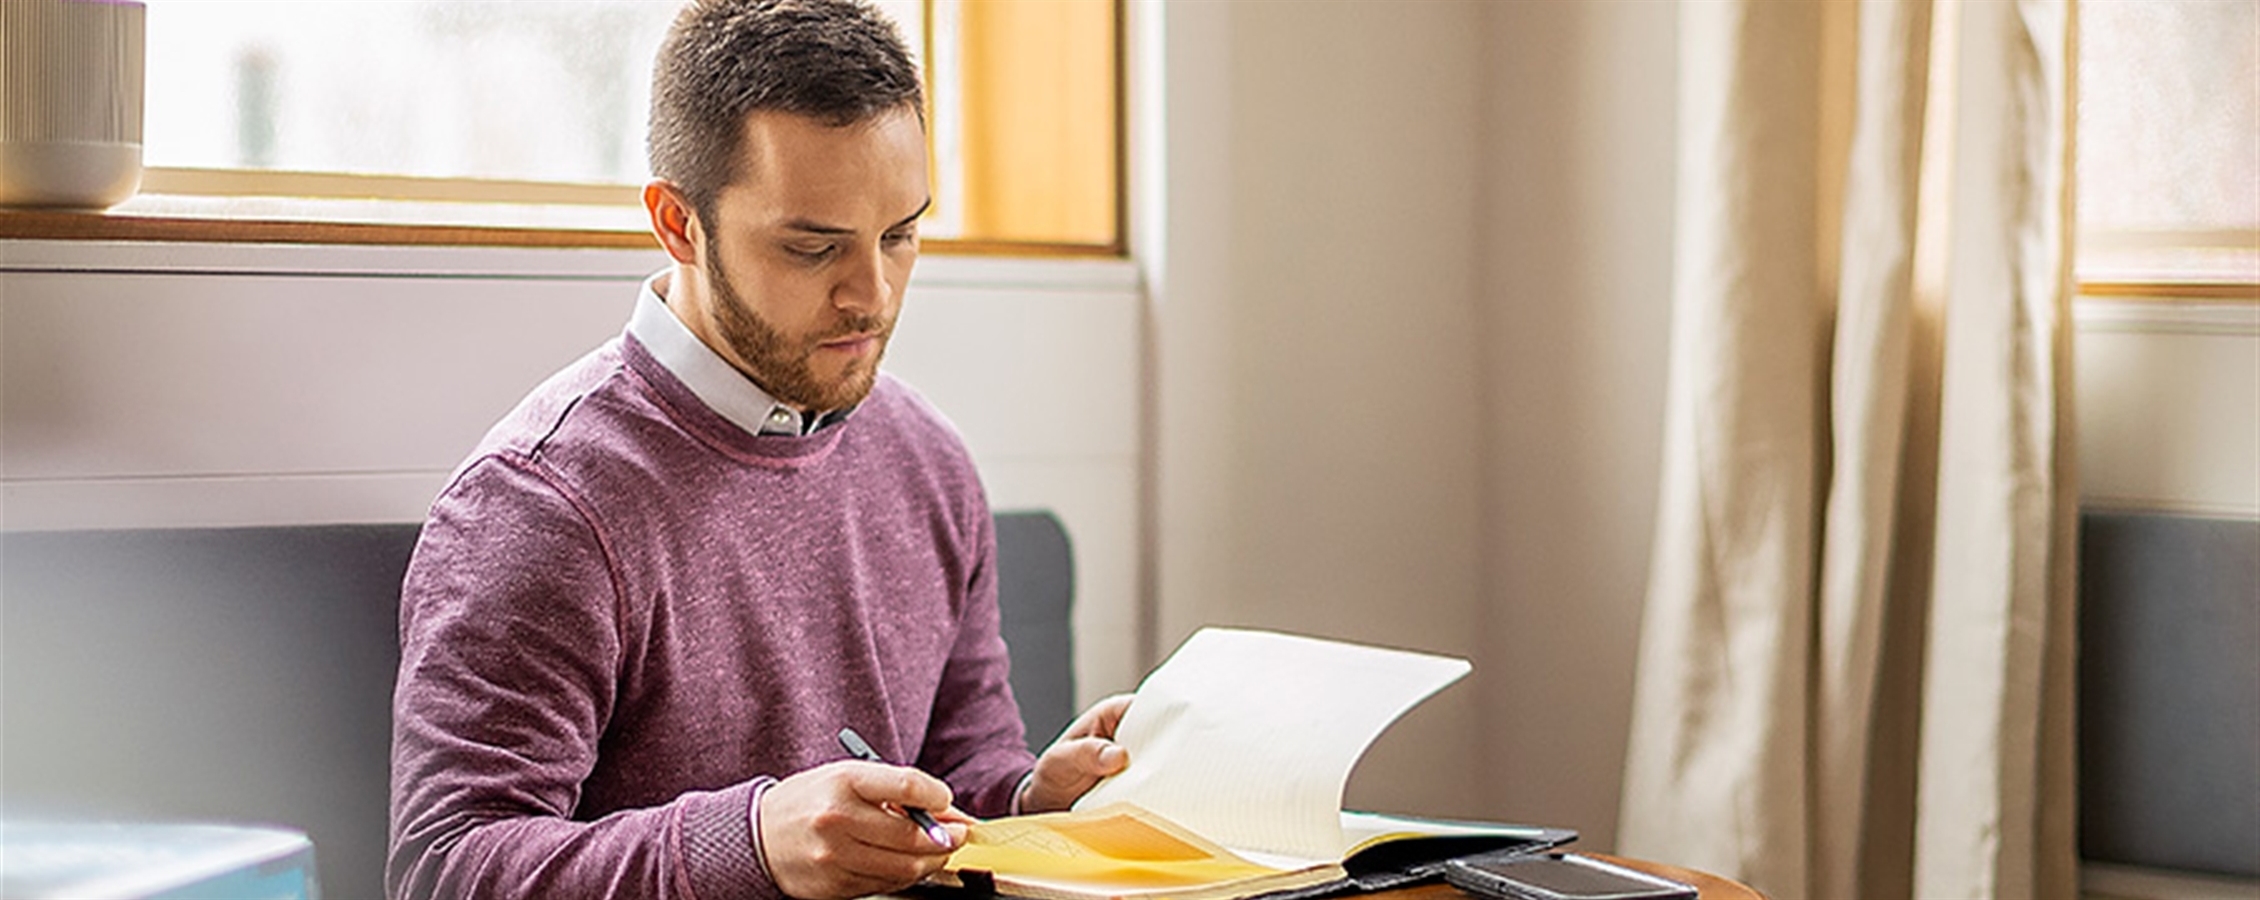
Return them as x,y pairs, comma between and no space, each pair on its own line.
1240,747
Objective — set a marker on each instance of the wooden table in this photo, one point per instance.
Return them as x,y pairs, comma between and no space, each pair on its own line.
1707,885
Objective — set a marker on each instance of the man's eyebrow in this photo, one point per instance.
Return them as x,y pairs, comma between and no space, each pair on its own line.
812,226
913,217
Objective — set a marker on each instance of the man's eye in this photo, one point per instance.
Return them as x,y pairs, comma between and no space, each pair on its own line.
810,253
899,238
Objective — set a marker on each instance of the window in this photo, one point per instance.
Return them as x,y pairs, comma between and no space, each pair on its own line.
2169,149
525,118
1033,84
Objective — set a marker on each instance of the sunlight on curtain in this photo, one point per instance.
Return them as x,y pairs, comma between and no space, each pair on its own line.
1865,526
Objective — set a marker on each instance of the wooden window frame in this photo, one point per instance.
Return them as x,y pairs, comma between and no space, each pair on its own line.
2146,268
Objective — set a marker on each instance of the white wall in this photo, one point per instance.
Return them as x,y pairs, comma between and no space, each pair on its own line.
1578,275
1315,310
2169,406
1411,310
211,385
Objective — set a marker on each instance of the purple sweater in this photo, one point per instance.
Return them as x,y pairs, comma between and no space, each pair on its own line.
626,617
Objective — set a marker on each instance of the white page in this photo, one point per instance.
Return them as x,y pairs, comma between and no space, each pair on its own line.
1359,827
1248,737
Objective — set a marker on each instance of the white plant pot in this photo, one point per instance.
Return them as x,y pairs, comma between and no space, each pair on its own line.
70,102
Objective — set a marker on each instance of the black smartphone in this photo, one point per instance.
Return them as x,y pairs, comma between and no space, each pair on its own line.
1558,876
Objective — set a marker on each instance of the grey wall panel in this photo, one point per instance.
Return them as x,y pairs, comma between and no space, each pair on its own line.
234,675
2169,682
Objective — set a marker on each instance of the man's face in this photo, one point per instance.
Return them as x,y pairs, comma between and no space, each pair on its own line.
809,251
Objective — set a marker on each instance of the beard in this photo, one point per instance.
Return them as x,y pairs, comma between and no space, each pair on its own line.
780,363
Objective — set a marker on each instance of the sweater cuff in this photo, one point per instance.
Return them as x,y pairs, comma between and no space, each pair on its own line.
1020,791
722,844
761,786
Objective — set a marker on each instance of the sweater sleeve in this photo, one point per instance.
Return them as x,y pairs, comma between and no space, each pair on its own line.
976,741
510,630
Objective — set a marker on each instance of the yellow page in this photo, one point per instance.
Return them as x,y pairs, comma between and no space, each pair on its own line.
1116,850
1248,737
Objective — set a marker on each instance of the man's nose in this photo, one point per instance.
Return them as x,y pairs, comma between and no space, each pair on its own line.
864,286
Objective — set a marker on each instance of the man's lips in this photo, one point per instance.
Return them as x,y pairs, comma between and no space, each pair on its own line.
854,343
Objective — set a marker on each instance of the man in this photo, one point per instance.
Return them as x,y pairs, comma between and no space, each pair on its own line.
643,610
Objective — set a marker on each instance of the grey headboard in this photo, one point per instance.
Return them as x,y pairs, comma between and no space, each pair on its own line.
245,674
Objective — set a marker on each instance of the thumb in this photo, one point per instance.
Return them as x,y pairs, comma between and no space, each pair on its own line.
1092,758
1069,768
1109,757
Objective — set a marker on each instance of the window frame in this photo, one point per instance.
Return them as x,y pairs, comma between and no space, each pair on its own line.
2154,266
2185,263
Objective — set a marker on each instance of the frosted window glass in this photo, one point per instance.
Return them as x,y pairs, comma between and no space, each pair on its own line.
522,90
2169,115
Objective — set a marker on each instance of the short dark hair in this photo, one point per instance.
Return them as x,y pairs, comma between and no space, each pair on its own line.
839,61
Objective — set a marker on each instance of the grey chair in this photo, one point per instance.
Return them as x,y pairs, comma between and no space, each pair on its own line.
245,674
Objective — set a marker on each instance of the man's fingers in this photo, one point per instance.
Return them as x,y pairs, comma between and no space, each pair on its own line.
1110,712
890,863
894,791
951,815
1100,720
898,786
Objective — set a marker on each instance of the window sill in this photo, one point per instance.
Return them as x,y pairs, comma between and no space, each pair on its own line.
93,226
266,220
107,247
2172,267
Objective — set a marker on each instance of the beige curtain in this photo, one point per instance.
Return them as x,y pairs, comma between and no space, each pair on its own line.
1855,670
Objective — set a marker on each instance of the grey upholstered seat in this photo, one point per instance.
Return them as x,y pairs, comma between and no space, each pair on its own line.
245,674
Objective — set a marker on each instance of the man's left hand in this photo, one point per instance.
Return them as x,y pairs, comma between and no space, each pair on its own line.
1084,754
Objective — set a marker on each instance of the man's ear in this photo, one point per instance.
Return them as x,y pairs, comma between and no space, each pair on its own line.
672,221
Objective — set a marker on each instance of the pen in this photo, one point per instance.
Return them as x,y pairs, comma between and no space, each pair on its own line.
860,750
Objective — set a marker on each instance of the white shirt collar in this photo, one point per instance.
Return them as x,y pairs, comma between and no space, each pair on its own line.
717,383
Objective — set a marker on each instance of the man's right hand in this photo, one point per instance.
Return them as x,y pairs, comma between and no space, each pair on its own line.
838,830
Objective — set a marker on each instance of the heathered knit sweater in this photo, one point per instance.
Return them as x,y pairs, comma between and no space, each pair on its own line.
627,616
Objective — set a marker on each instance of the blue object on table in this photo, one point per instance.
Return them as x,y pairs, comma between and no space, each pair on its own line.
154,862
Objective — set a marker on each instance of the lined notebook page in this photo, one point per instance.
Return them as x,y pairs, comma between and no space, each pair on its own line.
1248,737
